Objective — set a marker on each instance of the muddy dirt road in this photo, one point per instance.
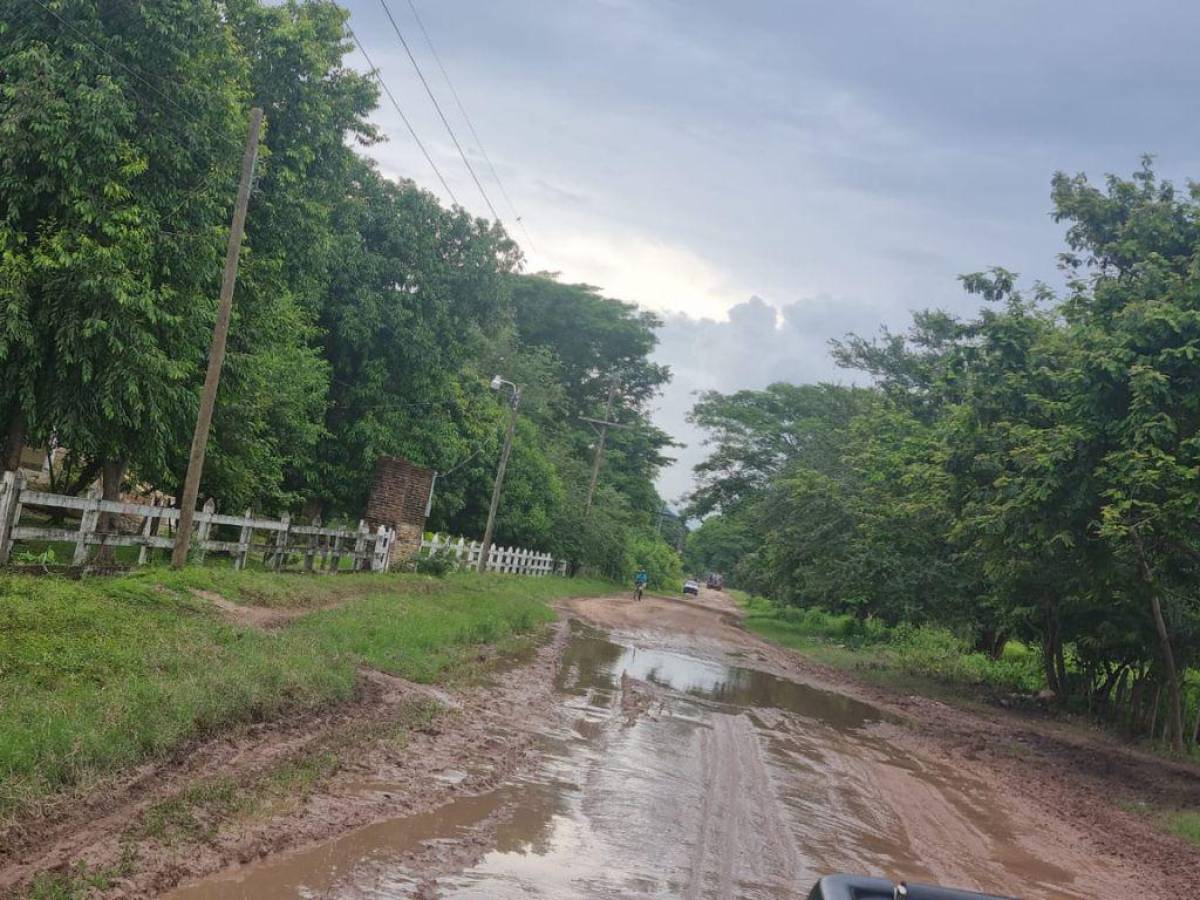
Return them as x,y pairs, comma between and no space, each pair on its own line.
678,760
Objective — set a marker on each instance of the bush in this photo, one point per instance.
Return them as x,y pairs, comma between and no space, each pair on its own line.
923,650
437,564
661,562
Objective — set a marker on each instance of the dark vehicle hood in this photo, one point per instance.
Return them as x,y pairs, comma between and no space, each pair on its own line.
855,887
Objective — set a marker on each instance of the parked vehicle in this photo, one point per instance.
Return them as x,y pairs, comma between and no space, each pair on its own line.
856,887
691,587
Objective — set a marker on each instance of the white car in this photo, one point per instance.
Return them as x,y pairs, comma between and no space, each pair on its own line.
691,587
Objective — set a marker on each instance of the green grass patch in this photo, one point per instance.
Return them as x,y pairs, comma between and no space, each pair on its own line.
81,880
921,653
1185,823
100,674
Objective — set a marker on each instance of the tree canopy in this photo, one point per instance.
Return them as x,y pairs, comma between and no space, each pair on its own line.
1031,472
368,317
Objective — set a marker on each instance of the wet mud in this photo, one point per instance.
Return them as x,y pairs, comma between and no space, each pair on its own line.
670,772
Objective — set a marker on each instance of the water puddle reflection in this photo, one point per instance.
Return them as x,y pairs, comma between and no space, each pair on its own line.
725,782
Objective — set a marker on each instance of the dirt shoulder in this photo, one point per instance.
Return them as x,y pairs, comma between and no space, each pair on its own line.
272,787
1054,772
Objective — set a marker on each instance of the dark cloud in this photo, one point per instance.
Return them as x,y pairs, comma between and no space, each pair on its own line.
758,344
686,154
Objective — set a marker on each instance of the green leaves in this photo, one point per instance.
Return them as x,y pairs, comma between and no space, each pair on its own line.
1032,471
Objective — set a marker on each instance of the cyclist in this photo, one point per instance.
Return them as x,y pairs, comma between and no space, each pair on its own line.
639,583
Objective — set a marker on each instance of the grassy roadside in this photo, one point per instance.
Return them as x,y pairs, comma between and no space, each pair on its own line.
927,660
101,674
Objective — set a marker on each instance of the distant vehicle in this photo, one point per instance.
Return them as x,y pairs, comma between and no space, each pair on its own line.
691,587
716,581
854,887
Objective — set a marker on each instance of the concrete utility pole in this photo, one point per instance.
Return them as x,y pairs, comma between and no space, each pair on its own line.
601,426
216,355
486,548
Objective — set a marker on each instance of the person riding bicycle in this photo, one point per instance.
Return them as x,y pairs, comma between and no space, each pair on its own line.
640,580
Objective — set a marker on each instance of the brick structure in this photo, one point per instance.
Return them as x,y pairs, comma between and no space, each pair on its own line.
399,491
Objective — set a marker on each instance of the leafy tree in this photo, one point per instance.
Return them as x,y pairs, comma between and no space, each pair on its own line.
1134,308
757,433
116,201
414,287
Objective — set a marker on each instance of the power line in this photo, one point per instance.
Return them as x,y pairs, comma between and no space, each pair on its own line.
383,84
438,107
470,124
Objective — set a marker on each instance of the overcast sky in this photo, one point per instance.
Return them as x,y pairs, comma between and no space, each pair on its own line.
772,174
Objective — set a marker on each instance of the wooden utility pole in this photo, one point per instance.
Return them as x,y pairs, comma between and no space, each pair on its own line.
216,355
486,548
601,427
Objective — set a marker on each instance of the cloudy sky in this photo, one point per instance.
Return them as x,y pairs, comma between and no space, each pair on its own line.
768,175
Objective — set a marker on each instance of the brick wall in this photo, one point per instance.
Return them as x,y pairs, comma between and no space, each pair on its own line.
399,491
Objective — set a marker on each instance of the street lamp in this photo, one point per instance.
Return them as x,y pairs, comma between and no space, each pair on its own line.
497,384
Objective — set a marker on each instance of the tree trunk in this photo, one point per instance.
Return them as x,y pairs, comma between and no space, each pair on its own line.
1164,640
1135,702
1196,729
14,441
1051,651
1154,710
1104,694
1122,688
1060,666
311,510
112,473
991,641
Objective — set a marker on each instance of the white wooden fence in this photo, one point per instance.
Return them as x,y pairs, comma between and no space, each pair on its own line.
510,560
320,548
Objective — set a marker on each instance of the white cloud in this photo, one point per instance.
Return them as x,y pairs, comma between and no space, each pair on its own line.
639,268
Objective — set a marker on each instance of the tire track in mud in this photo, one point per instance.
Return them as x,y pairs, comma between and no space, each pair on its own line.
742,834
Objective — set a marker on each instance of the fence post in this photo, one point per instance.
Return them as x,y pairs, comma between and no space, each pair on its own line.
281,541
323,546
147,527
204,528
11,485
311,550
335,557
359,562
244,539
379,558
87,525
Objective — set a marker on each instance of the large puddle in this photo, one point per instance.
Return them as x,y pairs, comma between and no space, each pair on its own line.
714,781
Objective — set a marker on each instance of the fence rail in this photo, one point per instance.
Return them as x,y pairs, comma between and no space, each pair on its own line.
319,547
510,560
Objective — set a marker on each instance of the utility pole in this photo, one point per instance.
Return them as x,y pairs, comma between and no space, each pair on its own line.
601,427
486,549
216,355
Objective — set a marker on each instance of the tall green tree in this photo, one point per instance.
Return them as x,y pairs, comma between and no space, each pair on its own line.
120,131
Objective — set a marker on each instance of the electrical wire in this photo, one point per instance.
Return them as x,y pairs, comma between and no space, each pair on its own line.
383,84
471,125
438,107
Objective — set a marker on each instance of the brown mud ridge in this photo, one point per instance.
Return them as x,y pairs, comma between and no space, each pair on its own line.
671,753
450,745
